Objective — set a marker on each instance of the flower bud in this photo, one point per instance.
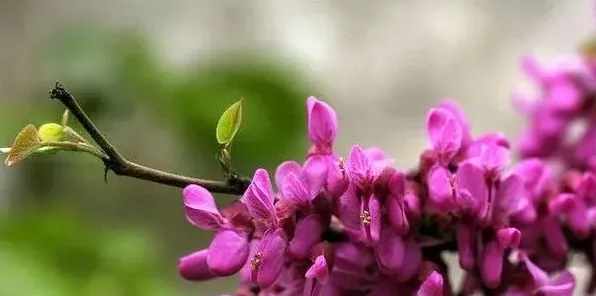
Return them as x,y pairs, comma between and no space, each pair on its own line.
51,132
193,267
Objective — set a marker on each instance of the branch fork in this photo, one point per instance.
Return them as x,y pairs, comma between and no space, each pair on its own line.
114,161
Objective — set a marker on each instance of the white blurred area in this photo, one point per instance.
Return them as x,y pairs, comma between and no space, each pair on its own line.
381,64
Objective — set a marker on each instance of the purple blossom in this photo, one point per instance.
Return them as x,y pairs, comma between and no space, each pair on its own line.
322,126
559,285
267,257
445,132
432,285
357,225
229,249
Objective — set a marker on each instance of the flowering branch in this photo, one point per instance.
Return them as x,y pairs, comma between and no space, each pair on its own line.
114,161
360,226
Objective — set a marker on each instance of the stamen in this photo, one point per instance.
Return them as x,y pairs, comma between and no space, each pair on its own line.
365,218
256,260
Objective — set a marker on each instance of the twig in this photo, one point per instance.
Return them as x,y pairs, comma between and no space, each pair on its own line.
72,146
117,163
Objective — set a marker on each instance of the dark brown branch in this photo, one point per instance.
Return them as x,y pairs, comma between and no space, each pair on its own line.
115,162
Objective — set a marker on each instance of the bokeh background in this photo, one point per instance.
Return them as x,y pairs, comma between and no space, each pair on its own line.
155,75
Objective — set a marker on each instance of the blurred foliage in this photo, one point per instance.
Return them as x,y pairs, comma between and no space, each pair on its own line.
52,250
47,248
120,71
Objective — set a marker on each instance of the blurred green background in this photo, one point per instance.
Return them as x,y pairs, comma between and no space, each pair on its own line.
69,233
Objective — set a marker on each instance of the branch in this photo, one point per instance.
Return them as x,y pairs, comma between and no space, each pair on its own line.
121,166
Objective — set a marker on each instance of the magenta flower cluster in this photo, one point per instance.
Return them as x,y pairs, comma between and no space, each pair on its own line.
359,226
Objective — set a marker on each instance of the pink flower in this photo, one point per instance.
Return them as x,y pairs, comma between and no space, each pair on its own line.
307,234
267,257
361,216
359,207
390,251
396,204
445,134
319,270
352,267
432,285
493,253
322,126
559,285
193,267
365,167
301,185
228,251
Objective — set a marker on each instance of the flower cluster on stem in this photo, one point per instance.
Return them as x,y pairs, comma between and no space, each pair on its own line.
512,225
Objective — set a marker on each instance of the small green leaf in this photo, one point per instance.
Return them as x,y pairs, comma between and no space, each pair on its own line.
51,132
25,144
229,123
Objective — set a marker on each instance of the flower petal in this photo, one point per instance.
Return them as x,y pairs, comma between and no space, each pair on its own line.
555,238
349,210
440,189
259,198
539,276
337,180
396,215
390,251
374,208
308,233
295,191
315,174
511,195
509,237
473,192
283,171
268,261
200,208
587,187
397,183
359,166
564,95
495,156
535,175
374,153
561,285
193,267
318,270
432,285
322,122
412,262
562,203
382,167
459,115
444,132
228,252
492,264
465,246
577,219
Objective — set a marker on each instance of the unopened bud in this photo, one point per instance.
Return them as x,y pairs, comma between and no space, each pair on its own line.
51,132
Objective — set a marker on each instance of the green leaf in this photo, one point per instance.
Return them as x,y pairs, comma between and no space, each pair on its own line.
51,132
229,123
25,144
